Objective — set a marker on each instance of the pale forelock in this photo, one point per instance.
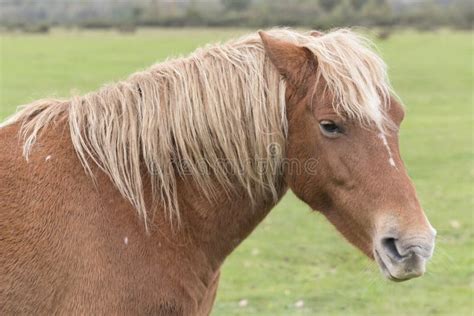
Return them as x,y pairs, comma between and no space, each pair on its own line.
354,73
223,103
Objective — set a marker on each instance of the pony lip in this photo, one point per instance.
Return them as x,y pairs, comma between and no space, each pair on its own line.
383,267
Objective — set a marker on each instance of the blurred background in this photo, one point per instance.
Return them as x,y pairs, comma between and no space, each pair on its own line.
126,15
295,263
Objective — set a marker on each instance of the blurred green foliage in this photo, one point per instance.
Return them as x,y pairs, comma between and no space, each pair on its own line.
320,14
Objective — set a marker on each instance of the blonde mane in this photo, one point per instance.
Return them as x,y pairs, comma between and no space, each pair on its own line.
224,102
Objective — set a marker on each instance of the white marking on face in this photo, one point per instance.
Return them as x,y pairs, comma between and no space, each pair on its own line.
391,162
125,240
47,158
385,143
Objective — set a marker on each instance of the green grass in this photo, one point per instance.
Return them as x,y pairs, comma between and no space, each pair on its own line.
295,254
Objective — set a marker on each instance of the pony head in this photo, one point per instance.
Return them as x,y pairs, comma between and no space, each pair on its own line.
343,123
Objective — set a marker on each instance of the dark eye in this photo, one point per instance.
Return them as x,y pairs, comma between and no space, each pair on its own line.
329,128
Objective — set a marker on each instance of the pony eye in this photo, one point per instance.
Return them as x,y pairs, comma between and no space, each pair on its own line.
329,129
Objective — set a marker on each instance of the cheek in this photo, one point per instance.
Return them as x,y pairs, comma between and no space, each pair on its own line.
338,164
310,175
337,184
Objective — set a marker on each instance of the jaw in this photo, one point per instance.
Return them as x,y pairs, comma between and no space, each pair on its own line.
352,231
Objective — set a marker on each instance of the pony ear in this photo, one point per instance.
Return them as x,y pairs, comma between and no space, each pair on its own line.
288,58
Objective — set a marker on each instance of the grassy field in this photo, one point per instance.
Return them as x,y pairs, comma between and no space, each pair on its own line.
295,263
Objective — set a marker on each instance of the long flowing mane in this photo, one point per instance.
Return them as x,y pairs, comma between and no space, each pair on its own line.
224,102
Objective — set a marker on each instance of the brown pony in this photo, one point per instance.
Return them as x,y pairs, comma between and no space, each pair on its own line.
201,148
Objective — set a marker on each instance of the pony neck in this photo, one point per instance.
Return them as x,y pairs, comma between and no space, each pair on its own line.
216,227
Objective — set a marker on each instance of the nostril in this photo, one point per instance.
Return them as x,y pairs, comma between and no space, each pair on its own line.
389,245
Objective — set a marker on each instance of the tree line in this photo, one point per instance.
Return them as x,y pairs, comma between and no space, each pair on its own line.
321,14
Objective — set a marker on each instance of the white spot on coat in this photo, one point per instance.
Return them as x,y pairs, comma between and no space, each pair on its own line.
125,240
47,158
